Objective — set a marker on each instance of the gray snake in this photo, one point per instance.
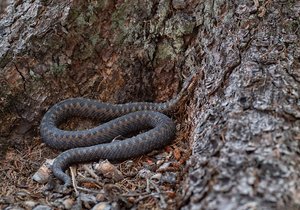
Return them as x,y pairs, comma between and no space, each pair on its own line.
96,143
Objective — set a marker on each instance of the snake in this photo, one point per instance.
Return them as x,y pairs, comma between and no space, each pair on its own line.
148,119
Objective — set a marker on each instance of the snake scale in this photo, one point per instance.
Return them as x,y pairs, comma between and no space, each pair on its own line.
97,143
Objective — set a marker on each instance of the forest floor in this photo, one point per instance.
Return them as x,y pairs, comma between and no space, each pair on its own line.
153,181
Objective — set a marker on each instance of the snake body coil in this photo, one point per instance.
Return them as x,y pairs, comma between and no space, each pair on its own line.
121,119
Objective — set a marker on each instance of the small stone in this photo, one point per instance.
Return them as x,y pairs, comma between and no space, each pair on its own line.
100,197
250,147
251,180
244,188
169,177
7,199
68,203
109,171
102,206
30,204
87,198
14,208
42,207
131,199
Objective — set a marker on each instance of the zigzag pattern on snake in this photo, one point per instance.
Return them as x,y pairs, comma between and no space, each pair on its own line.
121,119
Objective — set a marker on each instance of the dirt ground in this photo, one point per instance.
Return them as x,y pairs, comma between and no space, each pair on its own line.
153,181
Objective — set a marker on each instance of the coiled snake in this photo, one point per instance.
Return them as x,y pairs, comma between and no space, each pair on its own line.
93,144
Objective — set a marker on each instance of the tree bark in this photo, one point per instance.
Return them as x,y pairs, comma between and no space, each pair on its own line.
246,107
246,137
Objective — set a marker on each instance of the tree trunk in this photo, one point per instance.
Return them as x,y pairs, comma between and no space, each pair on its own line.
246,108
246,136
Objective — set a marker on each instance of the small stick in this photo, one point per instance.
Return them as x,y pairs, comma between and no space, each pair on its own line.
162,199
91,172
73,171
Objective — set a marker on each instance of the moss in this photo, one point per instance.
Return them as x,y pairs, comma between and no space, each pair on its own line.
73,14
118,23
119,16
91,13
103,4
165,51
57,70
34,76
84,17
157,24
80,20
163,9
127,29
179,25
94,38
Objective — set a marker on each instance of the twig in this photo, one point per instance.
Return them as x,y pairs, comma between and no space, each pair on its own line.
86,179
148,186
72,169
91,172
147,196
162,199
135,194
89,190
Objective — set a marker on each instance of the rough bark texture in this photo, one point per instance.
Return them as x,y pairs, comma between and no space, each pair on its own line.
246,137
245,142
102,50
